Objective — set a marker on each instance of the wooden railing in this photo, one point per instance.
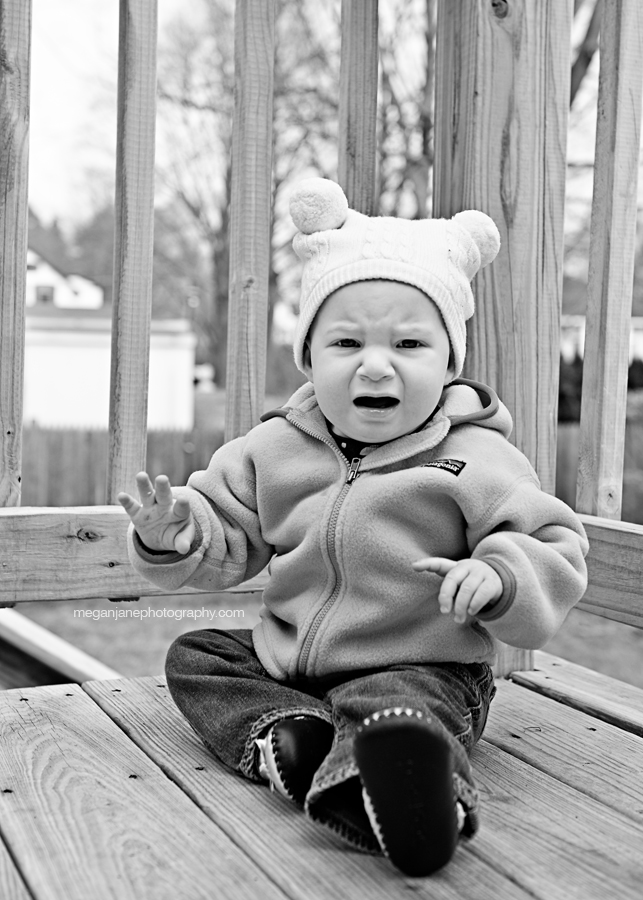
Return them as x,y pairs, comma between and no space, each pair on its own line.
502,89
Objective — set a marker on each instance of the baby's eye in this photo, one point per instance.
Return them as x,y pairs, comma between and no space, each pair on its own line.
409,344
347,342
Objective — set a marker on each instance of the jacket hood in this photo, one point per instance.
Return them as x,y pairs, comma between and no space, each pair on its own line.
462,402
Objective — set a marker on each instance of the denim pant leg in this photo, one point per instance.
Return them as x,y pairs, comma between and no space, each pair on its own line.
228,697
454,697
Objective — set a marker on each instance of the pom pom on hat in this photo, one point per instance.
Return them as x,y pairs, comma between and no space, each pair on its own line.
339,246
318,204
483,231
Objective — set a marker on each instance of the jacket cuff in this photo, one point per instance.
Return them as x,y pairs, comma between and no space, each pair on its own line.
499,607
164,557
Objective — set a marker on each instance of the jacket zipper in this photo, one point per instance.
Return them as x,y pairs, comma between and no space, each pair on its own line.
353,472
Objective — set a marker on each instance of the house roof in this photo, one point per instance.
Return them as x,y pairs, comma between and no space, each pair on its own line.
63,271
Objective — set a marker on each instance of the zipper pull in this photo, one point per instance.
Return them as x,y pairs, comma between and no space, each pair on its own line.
353,469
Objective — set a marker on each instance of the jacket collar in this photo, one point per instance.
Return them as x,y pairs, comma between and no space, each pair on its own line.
462,402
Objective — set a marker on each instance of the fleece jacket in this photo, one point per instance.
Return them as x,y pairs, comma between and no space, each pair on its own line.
339,538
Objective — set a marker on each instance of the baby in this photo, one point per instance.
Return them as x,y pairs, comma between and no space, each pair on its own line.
402,532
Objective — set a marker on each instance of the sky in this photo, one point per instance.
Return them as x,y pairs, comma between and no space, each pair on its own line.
73,104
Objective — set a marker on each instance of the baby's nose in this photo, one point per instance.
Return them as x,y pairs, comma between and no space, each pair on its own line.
375,364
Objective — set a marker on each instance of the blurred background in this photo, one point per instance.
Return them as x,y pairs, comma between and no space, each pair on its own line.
71,238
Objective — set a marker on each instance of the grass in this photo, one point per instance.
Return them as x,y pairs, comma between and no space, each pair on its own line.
137,645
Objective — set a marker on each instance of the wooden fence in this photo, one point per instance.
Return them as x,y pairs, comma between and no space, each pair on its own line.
66,467
502,91
567,459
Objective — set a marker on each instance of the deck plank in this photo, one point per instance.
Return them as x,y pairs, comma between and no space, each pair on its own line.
596,758
12,887
540,838
552,840
301,857
598,695
86,814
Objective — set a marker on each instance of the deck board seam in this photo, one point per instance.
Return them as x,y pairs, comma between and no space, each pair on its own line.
511,879
14,862
539,767
558,695
190,795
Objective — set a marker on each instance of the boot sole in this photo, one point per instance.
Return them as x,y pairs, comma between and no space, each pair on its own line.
407,773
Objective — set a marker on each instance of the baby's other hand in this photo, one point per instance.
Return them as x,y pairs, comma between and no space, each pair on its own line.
162,523
468,586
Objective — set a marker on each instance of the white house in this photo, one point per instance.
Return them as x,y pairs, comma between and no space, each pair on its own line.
572,337
67,356
46,285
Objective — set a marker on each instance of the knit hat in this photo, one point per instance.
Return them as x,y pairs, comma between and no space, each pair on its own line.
338,245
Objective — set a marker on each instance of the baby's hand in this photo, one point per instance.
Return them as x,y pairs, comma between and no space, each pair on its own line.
162,523
467,587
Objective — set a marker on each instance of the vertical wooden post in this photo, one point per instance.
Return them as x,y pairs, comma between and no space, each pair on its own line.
134,235
358,104
501,132
611,261
250,216
15,35
502,95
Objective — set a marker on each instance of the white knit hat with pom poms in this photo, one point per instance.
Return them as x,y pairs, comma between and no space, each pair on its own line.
338,245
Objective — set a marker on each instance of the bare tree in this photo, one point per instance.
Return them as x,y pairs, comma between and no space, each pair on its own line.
587,47
196,84
407,39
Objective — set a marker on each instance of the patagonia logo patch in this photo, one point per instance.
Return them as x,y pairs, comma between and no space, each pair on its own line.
455,466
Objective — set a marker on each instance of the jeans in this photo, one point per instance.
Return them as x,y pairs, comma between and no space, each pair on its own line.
222,689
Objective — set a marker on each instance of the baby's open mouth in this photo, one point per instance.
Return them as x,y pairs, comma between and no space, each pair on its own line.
376,402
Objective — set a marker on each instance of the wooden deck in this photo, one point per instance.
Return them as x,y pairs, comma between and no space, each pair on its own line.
106,792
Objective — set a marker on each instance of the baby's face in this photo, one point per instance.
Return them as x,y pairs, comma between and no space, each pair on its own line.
379,359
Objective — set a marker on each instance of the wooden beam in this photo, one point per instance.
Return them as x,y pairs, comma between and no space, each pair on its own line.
51,650
615,564
18,670
15,34
81,553
78,553
358,104
611,261
597,695
502,94
134,239
250,214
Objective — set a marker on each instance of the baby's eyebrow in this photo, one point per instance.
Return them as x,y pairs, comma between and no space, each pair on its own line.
344,325
417,327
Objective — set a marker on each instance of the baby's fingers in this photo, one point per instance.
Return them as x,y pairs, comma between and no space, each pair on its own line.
183,539
467,597
181,509
145,489
436,564
163,491
129,504
450,589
